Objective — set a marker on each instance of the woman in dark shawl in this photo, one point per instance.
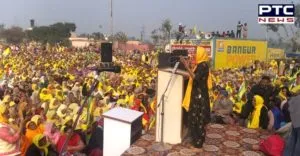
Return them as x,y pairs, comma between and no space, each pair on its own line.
196,100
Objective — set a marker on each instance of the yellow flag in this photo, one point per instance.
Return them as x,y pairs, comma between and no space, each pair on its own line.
6,52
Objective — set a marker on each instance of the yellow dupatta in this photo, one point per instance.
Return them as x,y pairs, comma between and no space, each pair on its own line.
255,115
201,56
36,140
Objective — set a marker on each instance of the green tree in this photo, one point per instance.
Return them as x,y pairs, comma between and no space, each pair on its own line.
166,29
155,36
14,35
162,35
53,34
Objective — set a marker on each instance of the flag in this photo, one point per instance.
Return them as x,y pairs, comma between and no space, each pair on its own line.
6,52
242,90
194,31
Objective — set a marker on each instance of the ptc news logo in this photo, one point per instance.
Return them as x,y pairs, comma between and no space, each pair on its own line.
276,14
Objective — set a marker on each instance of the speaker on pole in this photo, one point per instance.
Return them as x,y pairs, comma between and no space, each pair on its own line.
32,23
106,52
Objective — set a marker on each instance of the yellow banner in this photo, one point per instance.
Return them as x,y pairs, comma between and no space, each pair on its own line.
238,53
274,53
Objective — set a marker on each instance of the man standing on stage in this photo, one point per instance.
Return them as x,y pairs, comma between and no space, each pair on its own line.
196,100
181,33
239,29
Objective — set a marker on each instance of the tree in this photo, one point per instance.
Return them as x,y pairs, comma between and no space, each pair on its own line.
98,36
84,35
121,37
14,35
166,28
53,34
70,26
155,36
162,35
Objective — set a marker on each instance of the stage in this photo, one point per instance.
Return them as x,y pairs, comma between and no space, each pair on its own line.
220,140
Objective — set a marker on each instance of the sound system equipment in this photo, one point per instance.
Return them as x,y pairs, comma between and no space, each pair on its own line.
32,23
106,52
168,60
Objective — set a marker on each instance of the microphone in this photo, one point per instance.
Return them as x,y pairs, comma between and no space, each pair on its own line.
175,67
115,69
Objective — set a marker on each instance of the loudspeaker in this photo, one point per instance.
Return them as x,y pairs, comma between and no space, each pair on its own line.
180,52
168,60
106,52
32,23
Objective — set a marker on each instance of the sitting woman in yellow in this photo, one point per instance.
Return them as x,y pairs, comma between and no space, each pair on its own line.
284,93
45,95
258,118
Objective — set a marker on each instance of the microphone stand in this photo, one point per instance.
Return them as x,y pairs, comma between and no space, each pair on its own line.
161,146
94,85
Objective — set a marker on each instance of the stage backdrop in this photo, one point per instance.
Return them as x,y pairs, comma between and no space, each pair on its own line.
231,53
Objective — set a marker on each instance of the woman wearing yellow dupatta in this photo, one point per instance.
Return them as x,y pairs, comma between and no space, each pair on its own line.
45,95
259,116
196,100
40,147
37,119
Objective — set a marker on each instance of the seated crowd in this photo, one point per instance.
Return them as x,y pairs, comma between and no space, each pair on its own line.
42,93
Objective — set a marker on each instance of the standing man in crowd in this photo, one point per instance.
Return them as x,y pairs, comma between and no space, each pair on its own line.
245,31
181,33
239,30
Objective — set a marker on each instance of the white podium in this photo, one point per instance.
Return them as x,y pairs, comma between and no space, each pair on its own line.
121,128
172,124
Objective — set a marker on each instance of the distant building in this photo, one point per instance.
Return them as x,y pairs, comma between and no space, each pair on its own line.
79,42
132,46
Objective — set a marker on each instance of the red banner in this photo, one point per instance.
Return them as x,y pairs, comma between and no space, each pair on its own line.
190,48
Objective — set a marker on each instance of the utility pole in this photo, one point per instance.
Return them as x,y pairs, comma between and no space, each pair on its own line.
143,33
111,20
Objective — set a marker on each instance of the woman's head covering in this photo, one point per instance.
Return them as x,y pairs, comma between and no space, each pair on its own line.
74,107
201,55
45,95
258,100
36,141
254,119
53,104
60,109
67,119
35,119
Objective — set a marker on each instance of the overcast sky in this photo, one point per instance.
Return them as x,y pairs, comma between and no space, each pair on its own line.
131,15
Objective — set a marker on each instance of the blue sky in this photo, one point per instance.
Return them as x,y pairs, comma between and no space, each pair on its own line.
131,15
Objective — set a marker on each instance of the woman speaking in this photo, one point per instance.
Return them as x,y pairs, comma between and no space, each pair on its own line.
196,100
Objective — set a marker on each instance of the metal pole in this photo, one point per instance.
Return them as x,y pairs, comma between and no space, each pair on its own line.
162,120
111,20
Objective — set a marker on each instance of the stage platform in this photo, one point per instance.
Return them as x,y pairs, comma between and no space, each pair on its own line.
221,140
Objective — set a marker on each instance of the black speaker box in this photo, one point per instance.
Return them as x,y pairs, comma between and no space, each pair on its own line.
168,60
106,52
